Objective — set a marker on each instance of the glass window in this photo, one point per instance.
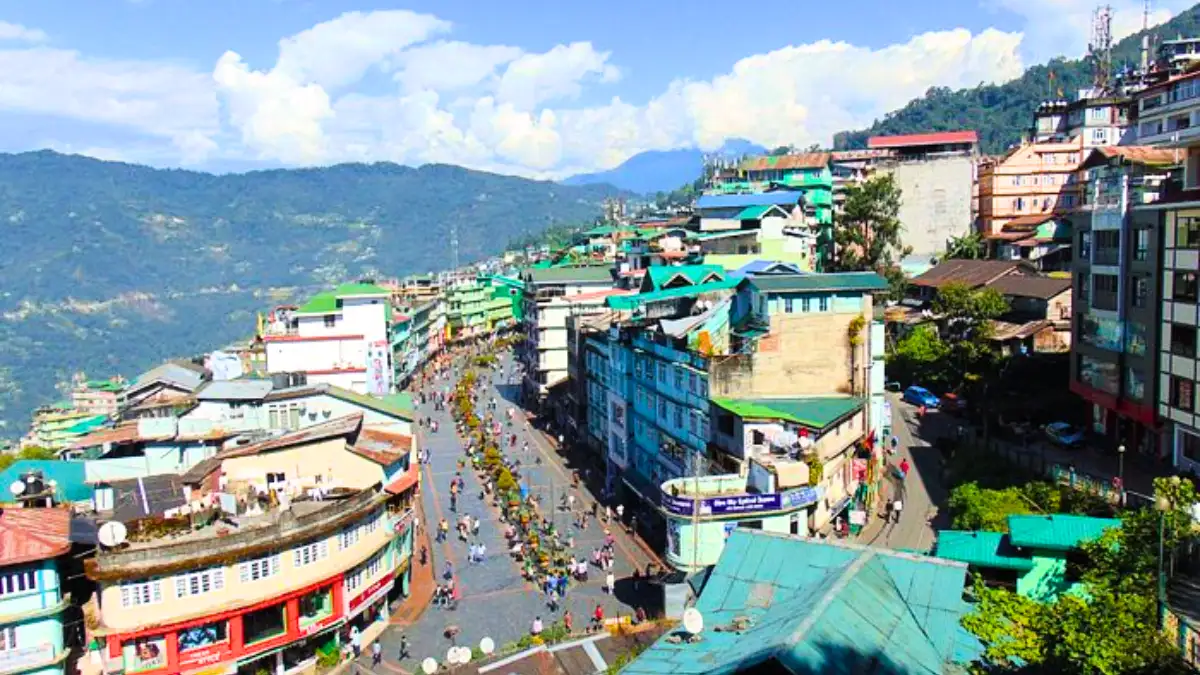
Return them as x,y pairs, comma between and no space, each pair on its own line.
260,568
1139,291
143,593
263,624
316,605
310,553
806,305
199,583
789,305
1187,232
1189,445
1184,285
679,375
1085,287
1182,393
1183,340
18,581
8,638
823,304
1141,244
330,321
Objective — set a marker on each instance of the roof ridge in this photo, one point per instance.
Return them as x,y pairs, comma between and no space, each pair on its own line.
830,594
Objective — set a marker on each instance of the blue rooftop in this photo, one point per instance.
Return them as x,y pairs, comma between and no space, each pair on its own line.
69,477
766,266
782,198
821,607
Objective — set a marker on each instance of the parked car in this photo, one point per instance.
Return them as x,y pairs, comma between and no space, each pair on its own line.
921,396
1061,433
953,403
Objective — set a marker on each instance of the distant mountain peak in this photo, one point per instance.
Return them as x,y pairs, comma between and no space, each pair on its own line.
662,170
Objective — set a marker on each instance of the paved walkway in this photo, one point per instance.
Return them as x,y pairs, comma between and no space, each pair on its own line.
494,600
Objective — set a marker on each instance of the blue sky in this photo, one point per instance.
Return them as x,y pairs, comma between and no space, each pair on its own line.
539,88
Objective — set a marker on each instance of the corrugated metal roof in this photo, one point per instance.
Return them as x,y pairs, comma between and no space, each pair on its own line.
170,373
781,198
551,275
821,607
146,497
755,212
1058,532
1136,154
27,535
629,302
982,549
1025,286
973,273
662,275
341,426
803,160
235,390
815,412
811,283
940,138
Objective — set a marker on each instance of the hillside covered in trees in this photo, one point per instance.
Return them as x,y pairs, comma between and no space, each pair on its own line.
1002,113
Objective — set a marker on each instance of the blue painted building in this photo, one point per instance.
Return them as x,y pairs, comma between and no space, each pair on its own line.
31,597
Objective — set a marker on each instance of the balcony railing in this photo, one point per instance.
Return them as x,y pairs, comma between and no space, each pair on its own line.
285,531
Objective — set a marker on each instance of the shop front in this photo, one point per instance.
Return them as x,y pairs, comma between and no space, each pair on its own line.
227,642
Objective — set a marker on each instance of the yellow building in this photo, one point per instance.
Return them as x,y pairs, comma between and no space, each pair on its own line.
1032,181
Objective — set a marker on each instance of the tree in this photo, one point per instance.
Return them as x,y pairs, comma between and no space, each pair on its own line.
866,234
781,150
919,356
976,508
965,320
970,246
28,452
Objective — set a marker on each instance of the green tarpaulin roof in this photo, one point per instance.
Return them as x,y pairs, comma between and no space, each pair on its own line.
359,289
981,549
754,212
321,303
694,274
812,283
630,302
1057,532
815,412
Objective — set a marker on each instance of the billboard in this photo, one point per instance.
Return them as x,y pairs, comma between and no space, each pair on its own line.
729,505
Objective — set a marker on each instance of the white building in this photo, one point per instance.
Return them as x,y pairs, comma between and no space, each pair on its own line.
552,295
338,338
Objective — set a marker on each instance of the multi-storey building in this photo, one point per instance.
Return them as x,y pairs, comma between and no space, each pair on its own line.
31,595
732,230
476,306
97,397
270,590
551,295
339,338
1033,182
1114,364
935,173
1096,120
1168,113
808,173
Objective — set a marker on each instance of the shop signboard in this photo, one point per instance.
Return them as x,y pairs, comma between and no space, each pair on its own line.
371,594
203,656
319,625
145,654
728,505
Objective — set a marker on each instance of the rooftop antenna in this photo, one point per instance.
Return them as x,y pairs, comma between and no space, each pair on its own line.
1146,15
1100,49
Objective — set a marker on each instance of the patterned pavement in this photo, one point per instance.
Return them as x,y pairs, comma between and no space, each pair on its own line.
494,600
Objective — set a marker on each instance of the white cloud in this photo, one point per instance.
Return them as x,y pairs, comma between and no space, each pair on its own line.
450,66
19,33
557,74
1064,27
158,99
339,52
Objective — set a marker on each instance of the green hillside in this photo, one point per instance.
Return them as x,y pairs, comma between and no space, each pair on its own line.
1002,113
111,267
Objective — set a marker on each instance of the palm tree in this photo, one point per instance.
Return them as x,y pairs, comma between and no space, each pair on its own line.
970,246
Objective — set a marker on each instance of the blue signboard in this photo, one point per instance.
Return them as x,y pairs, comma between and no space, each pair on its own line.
743,503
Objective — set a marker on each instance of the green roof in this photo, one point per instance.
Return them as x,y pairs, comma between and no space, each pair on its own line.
694,274
981,549
1058,532
386,405
630,302
104,385
359,289
87,424
754,212
815,412
588,273
402,400
321,303
600,231
70,477
821,607
810,283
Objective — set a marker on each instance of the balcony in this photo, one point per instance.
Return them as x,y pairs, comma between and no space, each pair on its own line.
192,548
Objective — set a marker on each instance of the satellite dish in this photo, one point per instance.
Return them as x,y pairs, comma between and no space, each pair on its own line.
112,534
487,645
17,487
52,483
452,656
429,666
693,621
464,655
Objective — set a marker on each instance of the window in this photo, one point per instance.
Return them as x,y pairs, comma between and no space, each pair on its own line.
1182,394
199,583
1184,284
367,570
678,417
806,305
695,383
330,321
1141,244
1099,135
1019,204
18,581
316,605
310,553
1085,245
1183,340
8,638
704,388
662,372
679,375
1139,291
1187,232
1189,445
823,304
261,568
348,537
143,593
1085,287
263,624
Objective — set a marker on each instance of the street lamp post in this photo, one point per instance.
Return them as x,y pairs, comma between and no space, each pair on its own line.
1121,471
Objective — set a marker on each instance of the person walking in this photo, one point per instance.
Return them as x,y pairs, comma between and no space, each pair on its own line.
904,467
403,649
897,508
356,642
535,629
610,582
376,653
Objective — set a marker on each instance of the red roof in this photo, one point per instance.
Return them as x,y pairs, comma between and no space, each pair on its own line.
404,482
941,138
381,447
595,295
27,535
